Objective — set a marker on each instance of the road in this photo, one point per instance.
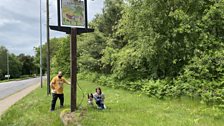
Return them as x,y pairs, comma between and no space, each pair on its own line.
9,88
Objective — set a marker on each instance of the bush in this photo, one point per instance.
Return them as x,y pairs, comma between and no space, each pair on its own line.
203,78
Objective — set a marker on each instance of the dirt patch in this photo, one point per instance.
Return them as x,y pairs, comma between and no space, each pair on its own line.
72,118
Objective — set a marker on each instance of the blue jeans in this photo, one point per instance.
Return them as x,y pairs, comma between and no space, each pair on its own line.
100,104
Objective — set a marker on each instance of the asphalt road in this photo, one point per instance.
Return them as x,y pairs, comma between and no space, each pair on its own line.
9,88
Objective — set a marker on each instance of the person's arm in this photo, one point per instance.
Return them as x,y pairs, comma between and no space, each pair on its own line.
52,84
103,96
95,96
67,82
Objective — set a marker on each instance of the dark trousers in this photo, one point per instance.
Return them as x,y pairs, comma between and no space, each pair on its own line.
100,104
54,100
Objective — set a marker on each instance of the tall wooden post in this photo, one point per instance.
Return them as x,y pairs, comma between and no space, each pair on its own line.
73,54
41,77
48,49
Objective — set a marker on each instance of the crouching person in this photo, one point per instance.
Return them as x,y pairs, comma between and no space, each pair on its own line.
99,98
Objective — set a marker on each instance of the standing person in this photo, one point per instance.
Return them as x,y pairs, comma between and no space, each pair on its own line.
57,90
99,97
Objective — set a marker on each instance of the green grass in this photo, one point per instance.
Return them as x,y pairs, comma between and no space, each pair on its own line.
124,109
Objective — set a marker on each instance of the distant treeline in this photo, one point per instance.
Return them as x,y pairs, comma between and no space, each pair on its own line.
18,64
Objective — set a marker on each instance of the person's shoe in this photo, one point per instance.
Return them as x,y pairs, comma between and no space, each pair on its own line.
51,110
100,108
104,106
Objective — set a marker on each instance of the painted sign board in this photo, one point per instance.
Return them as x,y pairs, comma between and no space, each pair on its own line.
73,13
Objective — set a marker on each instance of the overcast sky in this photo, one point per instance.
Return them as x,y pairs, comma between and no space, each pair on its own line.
20,23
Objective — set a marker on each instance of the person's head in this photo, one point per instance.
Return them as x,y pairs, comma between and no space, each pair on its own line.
98,90
59,74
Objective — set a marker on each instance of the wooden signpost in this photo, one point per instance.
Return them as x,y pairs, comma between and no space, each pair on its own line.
72,19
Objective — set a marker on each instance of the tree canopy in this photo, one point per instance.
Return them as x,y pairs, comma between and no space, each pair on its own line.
18,65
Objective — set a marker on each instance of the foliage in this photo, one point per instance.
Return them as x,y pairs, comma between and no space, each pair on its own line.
112,13
18,65
55,45
15,67
61,56
162,48
3,62
28,66
165,48
90,48
204,77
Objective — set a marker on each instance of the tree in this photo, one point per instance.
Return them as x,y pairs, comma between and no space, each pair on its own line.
61,57
28,66
90,48
55,45
112,13
3,61
15,66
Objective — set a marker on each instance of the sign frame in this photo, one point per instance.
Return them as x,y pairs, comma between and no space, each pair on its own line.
83,18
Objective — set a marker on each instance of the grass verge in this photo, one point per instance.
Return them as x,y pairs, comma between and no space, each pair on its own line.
123,109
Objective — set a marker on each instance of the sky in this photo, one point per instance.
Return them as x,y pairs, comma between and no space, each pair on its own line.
20,23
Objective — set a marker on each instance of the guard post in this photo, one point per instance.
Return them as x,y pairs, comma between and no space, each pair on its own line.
73,23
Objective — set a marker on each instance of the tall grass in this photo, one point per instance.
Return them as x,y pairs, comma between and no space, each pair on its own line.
123,109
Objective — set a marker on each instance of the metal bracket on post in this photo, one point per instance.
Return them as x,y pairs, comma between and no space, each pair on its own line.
59,13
